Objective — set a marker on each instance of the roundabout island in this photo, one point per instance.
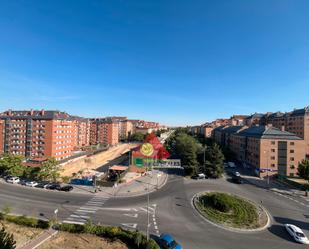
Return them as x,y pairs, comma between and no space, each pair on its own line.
231,212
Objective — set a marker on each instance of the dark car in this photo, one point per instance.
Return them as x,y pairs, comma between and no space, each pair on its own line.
237,179
166,241
53,186
42,185
66,188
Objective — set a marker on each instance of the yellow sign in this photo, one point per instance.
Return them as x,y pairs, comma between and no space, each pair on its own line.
147,149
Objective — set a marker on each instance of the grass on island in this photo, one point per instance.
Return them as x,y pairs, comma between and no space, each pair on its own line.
228,210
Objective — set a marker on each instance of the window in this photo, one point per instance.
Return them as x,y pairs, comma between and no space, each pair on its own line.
272,158
273,165
291,158
273,142
273,150
291,143
291,151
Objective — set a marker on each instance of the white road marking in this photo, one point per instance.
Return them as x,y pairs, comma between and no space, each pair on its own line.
73,222
117,209
130,225
131,215
85,211
80,216
89,208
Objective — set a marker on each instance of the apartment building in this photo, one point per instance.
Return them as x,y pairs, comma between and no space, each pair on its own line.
104,131
37,134
125,129
296,122
237,120
83,131
266,149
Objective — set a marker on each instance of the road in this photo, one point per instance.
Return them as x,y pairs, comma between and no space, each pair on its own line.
170,211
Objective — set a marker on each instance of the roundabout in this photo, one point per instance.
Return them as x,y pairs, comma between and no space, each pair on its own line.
231,212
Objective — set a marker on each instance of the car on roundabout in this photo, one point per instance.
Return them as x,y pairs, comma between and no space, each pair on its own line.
297,234
166,241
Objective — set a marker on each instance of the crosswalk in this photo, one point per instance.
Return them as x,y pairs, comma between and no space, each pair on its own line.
83,214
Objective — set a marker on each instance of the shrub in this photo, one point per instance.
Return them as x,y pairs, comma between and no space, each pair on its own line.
27,221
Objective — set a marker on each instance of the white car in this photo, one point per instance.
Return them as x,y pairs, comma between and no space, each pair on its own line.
31,184
13,180
296,233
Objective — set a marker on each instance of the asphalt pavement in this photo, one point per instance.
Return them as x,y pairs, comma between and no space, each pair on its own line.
170,210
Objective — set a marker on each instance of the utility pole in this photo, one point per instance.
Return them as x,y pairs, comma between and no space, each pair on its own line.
204,158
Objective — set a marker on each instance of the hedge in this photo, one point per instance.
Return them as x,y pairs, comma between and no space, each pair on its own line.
25,221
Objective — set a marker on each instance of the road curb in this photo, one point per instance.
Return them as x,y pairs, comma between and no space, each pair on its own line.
144,192
231,229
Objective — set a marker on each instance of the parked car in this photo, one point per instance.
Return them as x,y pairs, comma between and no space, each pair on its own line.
31,183
66,188
166,241
22,181
237,179
42,185
13,180
53,186
236,173
199,176
296,233
231,164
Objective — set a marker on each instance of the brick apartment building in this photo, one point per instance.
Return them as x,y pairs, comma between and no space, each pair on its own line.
38,133
263,148
104,131
296,122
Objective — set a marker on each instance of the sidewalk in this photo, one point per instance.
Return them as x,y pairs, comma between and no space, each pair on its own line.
40,239
274,186
139,186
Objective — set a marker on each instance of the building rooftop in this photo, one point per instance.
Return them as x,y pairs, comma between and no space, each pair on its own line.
34,114
297,112
265,132
233,129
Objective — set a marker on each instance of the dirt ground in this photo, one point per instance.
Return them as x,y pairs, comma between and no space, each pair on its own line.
95,161
22,235
64,240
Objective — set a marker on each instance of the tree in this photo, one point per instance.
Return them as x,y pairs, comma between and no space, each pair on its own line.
303,169
6,240
186,148
214,161
49,170
138,137
12,165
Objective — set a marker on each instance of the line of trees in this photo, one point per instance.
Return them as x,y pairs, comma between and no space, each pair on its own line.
13,165
196,156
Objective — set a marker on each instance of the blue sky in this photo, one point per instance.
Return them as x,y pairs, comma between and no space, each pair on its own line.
177,62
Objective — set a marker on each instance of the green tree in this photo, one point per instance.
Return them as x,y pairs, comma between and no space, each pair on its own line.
214,161
187,148
138,137
6,240
303,169
12,164
49,170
